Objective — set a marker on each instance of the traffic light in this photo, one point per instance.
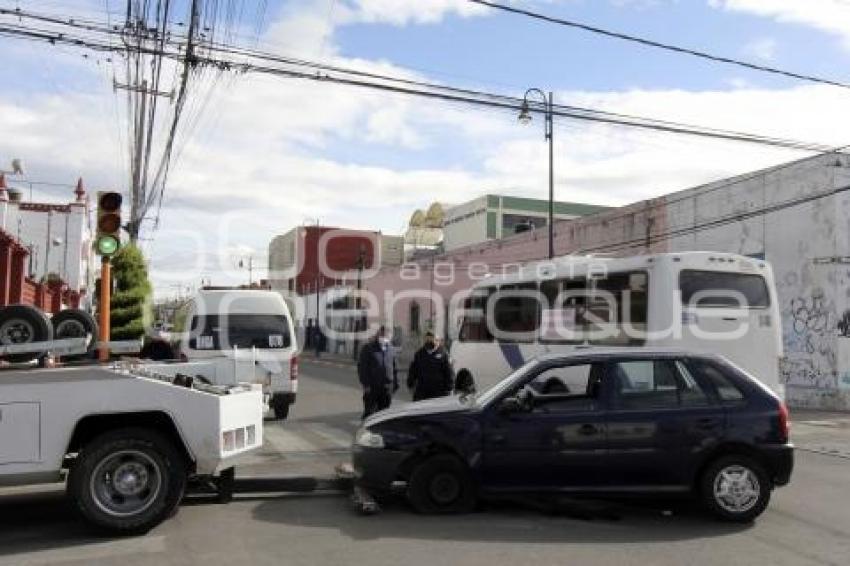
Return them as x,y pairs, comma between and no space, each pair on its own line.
108,238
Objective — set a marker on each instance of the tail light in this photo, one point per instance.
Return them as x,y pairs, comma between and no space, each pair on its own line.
293,368
784,424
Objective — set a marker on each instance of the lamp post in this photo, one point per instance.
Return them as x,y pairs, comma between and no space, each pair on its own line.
548,130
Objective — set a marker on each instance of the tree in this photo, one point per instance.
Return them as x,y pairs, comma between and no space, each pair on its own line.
131,299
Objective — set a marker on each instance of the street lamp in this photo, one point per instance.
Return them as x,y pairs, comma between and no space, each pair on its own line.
548,131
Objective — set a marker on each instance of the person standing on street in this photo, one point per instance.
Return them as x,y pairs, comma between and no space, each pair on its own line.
378,374
430,374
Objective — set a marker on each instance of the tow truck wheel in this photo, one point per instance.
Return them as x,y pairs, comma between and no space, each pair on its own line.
22,324
127,481
441,484
75,323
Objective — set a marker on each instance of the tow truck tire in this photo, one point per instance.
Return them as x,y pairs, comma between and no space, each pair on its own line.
441,484
22,324
76,323
127,481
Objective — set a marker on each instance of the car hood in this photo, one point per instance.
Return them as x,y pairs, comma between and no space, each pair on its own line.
441,405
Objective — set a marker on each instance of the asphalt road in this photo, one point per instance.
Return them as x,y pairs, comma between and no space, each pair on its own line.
808,522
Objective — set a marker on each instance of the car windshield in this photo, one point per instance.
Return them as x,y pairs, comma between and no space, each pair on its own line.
497,390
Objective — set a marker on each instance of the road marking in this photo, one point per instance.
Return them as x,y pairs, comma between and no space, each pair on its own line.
336,436
87,552
287,440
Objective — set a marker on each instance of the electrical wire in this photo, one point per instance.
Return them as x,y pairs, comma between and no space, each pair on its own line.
659,45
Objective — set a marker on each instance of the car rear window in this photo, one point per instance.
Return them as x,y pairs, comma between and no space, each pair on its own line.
222,332
721,289
727,390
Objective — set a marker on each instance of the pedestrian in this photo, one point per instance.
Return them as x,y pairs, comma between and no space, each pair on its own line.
430,374
378,373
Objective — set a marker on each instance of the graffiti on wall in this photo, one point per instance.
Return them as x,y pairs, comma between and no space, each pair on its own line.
843,325
809,342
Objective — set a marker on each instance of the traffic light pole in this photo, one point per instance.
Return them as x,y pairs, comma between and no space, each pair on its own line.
105,310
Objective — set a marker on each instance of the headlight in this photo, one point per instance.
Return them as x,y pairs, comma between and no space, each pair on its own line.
368,439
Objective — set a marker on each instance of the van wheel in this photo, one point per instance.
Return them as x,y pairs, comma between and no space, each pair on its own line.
441,484
23,324
280,406
76,323
735,488
127,481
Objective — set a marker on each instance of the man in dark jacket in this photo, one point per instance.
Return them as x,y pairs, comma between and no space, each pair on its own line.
378,373
430,375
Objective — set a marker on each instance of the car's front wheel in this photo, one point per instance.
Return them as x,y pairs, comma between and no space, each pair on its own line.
736,488
441,484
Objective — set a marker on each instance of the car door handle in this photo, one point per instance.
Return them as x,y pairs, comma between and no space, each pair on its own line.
588,429
497,438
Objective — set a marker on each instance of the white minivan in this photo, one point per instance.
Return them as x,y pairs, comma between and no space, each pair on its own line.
240,327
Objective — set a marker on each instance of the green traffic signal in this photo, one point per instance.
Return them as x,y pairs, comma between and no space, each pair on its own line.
107,245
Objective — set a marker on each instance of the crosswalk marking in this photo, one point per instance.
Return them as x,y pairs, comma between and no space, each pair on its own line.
291,438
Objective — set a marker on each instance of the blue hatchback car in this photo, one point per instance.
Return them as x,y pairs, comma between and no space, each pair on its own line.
599,422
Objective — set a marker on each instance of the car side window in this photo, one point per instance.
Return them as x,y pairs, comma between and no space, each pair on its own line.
645,384
567,388
726,389
690,392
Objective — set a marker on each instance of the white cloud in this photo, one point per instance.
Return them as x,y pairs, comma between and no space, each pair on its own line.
763,48
401,12
832,16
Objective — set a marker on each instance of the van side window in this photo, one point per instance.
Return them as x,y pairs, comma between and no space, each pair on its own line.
707,289
473,327
727,391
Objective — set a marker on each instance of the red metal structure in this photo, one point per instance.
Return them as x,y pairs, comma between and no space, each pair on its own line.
17,288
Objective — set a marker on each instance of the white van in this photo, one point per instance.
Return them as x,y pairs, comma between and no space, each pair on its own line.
700,301
241,327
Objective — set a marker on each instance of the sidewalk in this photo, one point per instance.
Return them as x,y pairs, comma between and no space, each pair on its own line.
822,432
327,358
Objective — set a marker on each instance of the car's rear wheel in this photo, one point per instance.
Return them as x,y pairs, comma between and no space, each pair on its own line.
736,488
441,484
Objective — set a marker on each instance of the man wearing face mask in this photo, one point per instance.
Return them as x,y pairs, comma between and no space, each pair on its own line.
430,375
378,373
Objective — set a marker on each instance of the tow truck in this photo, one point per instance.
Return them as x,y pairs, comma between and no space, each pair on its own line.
130,438
127,436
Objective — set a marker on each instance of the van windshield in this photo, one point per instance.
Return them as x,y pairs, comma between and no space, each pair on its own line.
222,332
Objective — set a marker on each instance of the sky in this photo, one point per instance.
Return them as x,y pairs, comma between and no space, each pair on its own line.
267,154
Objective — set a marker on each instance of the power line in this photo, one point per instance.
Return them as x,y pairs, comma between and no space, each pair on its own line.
390,83
659,45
